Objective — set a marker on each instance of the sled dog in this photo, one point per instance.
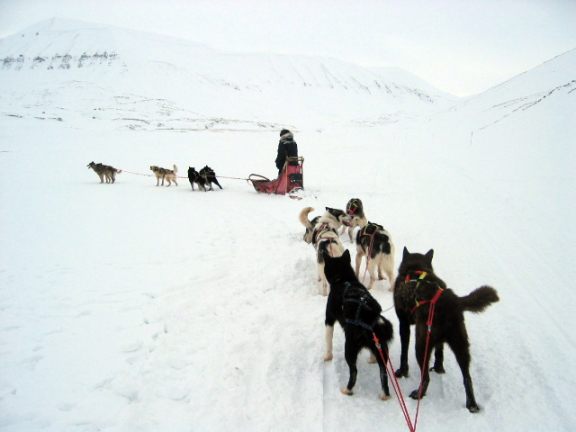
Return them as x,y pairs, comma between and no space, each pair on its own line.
195,178
105,172
209,177
417,288
359,314
334,218
355,212
165,174
375,243
323,235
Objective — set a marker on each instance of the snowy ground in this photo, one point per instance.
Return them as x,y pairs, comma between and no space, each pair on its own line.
130,307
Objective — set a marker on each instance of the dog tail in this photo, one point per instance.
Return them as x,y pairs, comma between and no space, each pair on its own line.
479,299
304,217
384,330
175,169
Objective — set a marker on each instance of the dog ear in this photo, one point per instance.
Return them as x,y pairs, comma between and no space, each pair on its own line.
405,252
429,255
346,256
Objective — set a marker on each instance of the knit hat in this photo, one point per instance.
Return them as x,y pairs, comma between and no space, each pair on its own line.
284,132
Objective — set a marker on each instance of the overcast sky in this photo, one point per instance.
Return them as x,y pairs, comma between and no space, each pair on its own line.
460,46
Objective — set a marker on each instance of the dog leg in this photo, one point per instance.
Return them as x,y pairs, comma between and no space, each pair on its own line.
372,272
351,354
459,345
175,182
359,255
383,375
350,232
324,286
322,278
387,269
421,353
329,335
438,359
404,343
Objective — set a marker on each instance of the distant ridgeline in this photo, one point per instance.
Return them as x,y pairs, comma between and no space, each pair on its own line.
58,61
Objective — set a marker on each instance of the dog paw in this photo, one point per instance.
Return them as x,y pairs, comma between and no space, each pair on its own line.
328,357
414,394
384,397
372,359
346,392
438,369
401,373
473,409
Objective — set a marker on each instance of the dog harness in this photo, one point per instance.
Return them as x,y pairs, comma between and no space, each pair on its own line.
418,277
351,297
370,229
321,230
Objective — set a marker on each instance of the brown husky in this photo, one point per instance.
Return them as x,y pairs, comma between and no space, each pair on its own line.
105,172
165,174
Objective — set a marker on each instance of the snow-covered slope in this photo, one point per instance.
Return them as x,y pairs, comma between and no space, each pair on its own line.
545,84
156,82
131,307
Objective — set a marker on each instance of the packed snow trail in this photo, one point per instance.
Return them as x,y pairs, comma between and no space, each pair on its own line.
135,307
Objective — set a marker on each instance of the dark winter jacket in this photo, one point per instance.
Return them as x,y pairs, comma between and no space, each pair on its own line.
287,147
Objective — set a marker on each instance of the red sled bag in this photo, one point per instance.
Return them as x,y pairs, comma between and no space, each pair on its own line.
290,180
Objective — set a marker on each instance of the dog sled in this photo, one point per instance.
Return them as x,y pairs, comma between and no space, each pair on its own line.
289,182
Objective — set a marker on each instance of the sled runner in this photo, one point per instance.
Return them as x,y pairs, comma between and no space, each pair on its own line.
290,180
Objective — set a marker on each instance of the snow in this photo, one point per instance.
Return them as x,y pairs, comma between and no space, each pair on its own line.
133,307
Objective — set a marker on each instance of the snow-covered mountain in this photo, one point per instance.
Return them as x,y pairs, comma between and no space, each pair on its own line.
552,83
51,64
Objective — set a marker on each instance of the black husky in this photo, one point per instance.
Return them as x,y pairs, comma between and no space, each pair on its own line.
209,176
417,288
195,177
350,303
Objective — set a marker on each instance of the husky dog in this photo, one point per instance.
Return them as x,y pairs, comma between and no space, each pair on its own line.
165,174
323,235
359,314
105,172
195,177
417,286
355,211
374,242
209,177
335,218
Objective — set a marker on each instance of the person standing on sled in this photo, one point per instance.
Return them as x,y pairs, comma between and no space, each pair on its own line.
287,147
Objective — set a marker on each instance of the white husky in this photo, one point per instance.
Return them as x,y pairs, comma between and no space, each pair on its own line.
322,232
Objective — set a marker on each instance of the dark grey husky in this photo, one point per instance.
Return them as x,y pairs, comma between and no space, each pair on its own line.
105,172
417,287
